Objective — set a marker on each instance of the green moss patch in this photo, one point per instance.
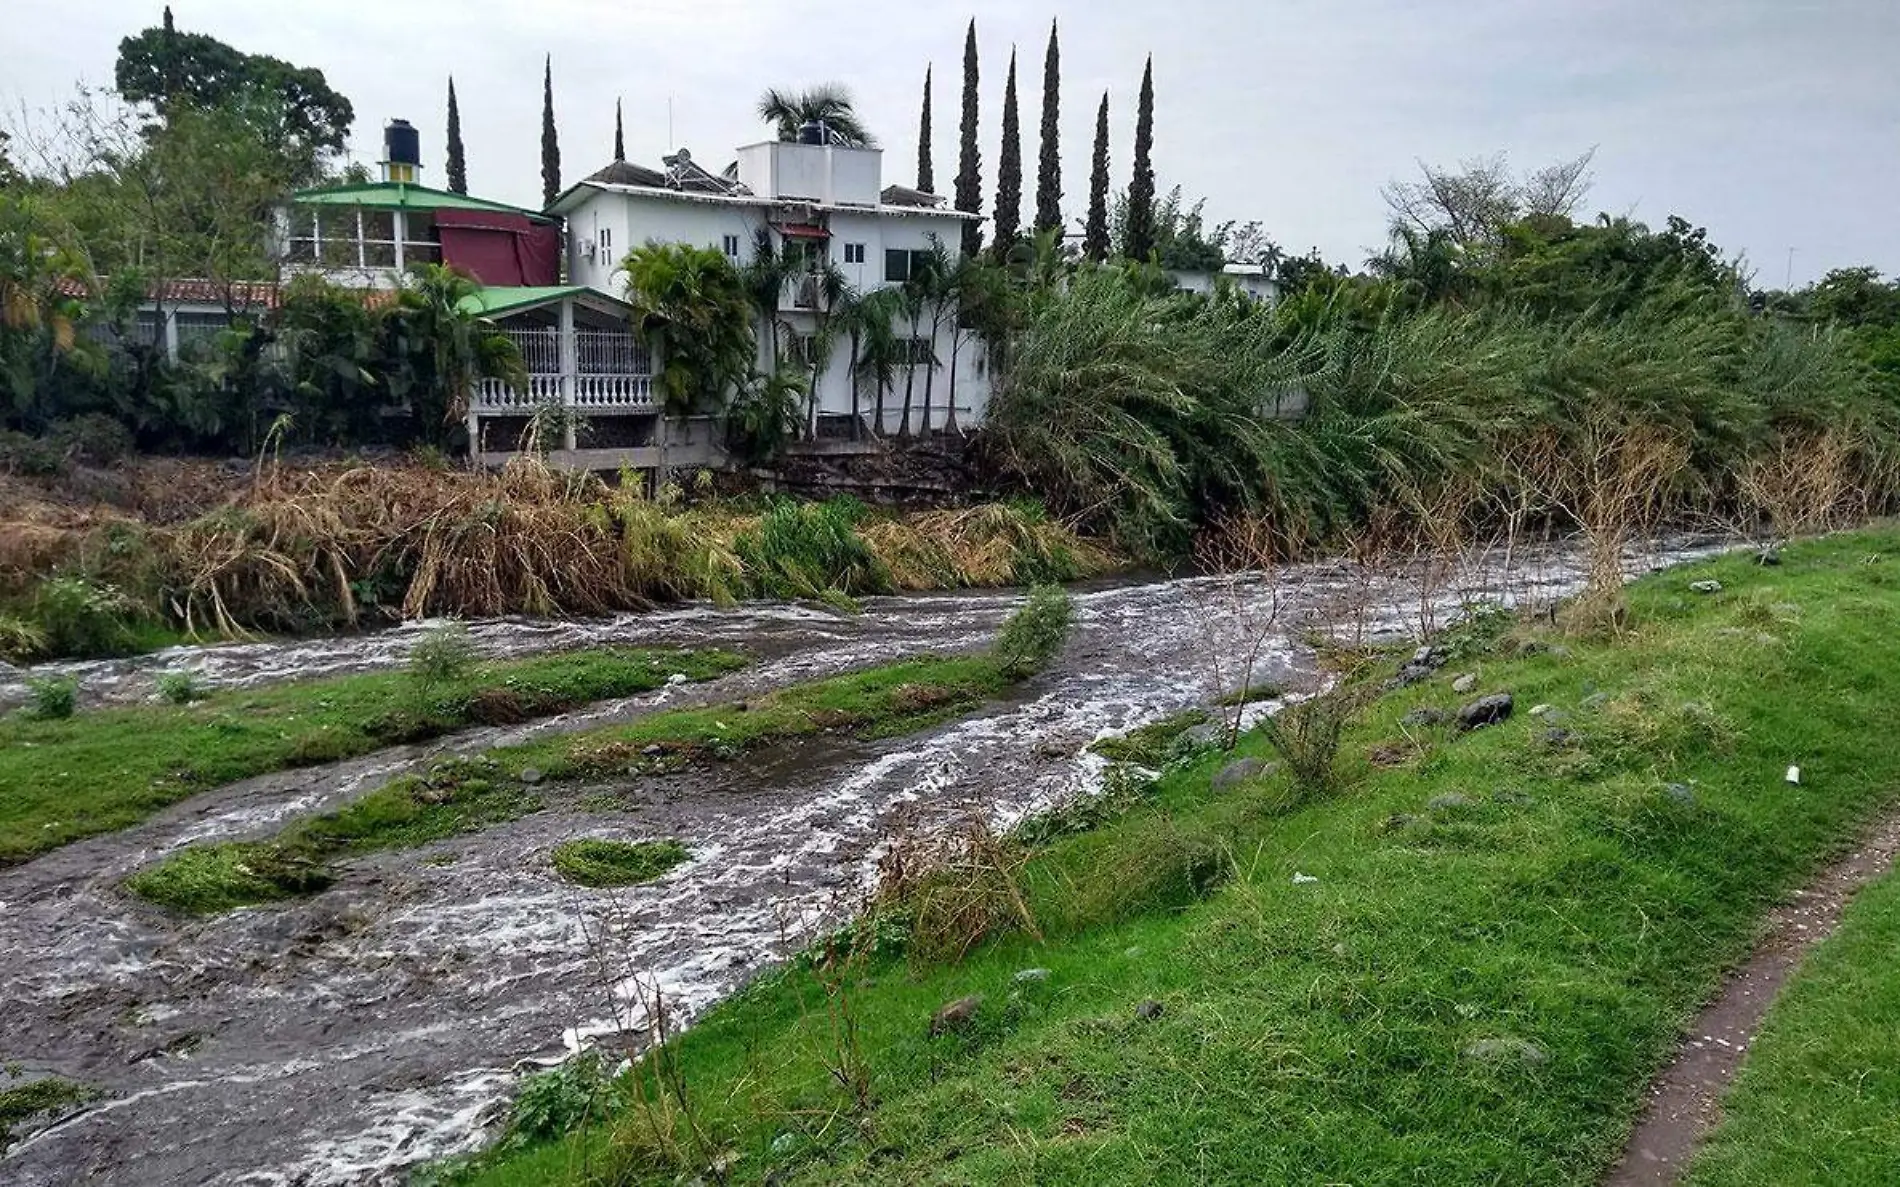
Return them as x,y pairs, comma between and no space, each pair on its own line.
600,863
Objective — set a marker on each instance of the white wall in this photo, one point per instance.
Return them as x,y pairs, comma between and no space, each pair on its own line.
813,172
634,219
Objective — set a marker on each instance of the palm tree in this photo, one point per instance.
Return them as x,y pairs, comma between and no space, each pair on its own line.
458,345
829,293
939,295
691,306
827,103
765,278
873,327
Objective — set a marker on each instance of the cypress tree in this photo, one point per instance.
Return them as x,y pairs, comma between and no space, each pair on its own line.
926,174
969,195
1095,243
1009,170
620,134
550,143
1049,166
458,163
1141,189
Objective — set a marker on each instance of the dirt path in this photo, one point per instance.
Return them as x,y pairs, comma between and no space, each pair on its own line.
1685,1101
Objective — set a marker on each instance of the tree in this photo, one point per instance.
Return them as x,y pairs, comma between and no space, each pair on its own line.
620,134
926,170
827,103
458,163
1095,244
550,140
875,347
1009,171
1140,240
1049,164
165,69
969,189
690,304
1473,204
448,347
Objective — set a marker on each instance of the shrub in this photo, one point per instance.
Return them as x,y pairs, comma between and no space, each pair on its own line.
83,618
444,655
179,688
555,1102
22,453
20,640
1307,737
94,438
1036,632
52,697
805,550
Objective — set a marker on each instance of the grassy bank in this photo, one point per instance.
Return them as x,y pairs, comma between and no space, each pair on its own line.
1818,1099
104,770
36,1100
465,795
1462,965
311,550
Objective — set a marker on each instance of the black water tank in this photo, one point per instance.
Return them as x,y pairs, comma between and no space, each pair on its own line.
811,132
401,145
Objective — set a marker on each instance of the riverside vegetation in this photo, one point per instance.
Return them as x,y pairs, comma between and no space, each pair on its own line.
79,775
1463,965
465,794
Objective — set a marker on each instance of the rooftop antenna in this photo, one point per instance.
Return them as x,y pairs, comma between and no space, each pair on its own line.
1787,283
669,124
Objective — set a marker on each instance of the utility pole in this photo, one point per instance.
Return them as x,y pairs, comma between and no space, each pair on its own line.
1787,281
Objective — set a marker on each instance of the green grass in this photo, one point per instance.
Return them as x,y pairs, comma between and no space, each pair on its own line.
472,794
26,1101
1503,940
105,770
1818,1099
598,863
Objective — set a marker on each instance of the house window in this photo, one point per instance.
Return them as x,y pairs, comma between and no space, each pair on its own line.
606,241
854,253
901,265
802,350
731,246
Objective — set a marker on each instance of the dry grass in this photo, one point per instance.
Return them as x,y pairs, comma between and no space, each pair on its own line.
293,549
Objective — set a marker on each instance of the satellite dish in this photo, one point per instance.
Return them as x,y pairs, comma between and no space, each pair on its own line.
684,157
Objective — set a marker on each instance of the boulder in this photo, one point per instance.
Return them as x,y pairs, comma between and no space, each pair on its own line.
956,1015
1466,683
1486,711
1240,770
1705,587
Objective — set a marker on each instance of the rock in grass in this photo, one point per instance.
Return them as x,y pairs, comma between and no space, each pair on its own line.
1028,976
1425,716
1508,1049
1680,794
1447,802
1705,587
1465,683
1148,1011
1768,557
1486,711
532,775
1594,701
1240,770
956,1015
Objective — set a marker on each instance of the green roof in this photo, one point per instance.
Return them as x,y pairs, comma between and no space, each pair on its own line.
396,195
496,300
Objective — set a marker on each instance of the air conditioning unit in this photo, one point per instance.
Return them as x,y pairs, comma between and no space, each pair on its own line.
588,248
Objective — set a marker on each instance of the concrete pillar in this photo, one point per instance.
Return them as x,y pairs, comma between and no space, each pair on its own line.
570,372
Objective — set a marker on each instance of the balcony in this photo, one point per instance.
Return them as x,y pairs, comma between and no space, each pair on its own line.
611,373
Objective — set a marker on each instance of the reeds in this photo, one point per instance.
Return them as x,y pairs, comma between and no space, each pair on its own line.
302,550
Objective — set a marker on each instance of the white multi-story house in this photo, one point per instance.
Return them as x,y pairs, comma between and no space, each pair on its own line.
818,201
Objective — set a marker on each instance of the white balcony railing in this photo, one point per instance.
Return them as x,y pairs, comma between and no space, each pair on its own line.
612,372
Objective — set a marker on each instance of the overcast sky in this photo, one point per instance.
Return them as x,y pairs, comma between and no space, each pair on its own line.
1775,123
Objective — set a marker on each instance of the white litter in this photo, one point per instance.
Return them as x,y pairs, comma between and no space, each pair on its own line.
1794,774
1300,879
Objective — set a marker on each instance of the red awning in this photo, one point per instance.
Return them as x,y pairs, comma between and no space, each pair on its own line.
802,231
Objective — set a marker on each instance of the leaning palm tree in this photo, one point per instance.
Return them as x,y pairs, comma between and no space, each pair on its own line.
827,103
438,313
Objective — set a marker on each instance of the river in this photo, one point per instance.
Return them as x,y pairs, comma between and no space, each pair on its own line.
345,1037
